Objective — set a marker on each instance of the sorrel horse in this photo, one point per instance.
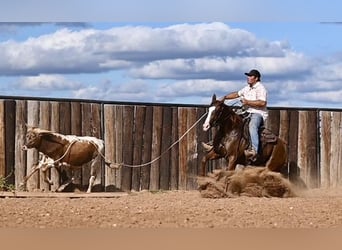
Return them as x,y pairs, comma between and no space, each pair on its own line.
230,141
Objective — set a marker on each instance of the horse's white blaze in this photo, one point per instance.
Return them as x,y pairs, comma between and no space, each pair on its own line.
206,124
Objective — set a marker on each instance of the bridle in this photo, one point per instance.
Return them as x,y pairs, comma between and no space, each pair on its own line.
219,115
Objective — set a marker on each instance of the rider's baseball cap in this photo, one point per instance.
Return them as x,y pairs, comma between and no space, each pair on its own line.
253,72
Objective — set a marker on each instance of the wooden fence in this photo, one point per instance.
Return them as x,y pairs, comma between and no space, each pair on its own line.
138,133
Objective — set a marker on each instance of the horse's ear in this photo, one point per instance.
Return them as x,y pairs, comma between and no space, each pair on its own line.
214,98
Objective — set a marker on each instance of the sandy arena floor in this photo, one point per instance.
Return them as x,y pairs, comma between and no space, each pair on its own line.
317,208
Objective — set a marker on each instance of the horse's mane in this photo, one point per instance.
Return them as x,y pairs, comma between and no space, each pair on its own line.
235,119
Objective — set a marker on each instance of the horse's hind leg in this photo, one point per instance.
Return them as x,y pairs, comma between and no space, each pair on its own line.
278,158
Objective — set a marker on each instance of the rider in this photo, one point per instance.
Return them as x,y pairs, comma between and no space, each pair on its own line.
254,99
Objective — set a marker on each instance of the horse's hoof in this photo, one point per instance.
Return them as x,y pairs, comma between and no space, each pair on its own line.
239,167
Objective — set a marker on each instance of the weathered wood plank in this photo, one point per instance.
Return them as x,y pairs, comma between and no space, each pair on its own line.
96,111
307,144
284,123
272,122
20,132
339,148
336,150
32,154
325,148
65,118
118,143
293,144
138,145
65,129
182,125
191,181
201,137
54,123
9,140
44,123
109,135
128,123
76,129
165,170
312,149
156,147
174,163
86,131
2,139
147,149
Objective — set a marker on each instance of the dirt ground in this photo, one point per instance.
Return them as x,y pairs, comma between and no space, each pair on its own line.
316,208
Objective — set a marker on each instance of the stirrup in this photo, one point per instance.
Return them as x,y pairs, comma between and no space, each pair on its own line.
251,155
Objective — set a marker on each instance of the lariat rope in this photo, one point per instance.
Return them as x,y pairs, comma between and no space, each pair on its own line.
128,165
139,165
157,158
66,151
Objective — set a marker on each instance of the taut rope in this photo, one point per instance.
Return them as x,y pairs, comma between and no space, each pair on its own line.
110,164
66,151
172,145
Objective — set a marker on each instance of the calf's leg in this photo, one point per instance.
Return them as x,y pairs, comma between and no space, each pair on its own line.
93,172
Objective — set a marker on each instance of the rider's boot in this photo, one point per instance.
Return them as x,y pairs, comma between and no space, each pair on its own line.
251,154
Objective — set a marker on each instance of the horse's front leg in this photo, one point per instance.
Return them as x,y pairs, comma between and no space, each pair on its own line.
209,156
231,162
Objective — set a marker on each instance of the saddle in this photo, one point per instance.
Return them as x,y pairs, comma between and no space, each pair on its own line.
265,135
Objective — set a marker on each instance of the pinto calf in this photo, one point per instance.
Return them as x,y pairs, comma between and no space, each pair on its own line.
67,150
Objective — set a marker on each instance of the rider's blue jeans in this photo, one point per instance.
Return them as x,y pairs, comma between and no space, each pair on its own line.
255,123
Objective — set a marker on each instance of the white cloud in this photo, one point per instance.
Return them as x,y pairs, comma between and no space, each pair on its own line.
196,88
132,91
47,82
223,67
90,50
167,63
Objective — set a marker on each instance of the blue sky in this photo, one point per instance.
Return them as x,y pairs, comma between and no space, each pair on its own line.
171,51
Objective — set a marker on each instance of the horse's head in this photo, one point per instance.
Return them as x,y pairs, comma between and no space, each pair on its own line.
214,114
